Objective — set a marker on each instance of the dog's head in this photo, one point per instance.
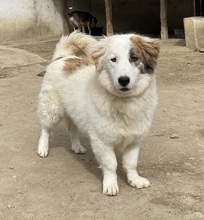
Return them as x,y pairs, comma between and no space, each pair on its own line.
125,62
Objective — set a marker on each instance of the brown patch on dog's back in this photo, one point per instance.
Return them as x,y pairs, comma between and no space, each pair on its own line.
148,50
72,64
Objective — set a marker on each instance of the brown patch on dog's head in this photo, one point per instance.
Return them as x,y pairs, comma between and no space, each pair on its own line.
72,64
148,50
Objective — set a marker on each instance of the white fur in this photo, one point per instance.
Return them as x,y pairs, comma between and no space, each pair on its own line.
92,101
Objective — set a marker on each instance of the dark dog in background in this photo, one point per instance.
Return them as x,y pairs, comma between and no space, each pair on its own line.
81,19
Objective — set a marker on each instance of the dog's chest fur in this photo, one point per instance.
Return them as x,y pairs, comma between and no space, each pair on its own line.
124,120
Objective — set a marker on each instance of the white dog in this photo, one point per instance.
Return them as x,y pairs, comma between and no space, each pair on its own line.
113,99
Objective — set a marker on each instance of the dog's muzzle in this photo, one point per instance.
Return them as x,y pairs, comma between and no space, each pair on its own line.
124,81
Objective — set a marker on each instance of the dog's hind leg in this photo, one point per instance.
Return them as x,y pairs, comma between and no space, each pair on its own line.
74,136
88,26
50,112
43,144
130,159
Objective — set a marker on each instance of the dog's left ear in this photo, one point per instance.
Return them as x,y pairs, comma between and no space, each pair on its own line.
98,52
148,50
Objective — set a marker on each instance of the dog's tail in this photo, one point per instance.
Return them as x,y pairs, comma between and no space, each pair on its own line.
76,44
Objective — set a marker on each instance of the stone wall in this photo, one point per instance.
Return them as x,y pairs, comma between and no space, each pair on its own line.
194,33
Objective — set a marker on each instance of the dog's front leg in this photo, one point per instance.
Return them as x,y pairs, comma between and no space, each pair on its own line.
108,163
83,29
130,159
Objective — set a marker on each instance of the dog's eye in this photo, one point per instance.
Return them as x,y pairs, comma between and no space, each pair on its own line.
113,60
133,58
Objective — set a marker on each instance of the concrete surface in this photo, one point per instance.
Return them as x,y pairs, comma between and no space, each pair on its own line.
14,57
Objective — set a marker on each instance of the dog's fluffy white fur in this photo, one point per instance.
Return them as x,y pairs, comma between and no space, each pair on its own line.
107,89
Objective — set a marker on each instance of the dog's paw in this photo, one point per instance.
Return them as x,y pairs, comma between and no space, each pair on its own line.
110,189
78,149
110,185
43,151
139,182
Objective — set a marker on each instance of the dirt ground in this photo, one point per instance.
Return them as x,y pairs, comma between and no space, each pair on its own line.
68,186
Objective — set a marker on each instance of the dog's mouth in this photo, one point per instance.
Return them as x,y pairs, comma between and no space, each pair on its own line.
124,89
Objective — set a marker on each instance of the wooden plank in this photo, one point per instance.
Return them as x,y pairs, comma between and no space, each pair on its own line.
194,7
198,8
163,19
64,17
109,25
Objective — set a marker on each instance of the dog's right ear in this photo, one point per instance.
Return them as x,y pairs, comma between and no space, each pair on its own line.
148,50
98,53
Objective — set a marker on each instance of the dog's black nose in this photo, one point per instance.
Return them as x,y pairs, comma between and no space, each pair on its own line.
124,80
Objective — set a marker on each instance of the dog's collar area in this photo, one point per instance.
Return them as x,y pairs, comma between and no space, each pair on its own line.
58,58
68,57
